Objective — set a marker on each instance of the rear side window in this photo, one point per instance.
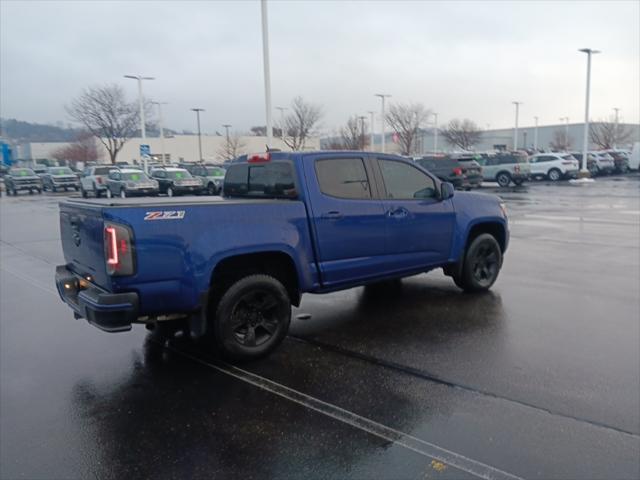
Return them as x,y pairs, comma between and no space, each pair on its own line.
269,180
343,178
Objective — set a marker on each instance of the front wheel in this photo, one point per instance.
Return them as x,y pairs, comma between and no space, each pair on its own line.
123,193
251,318
554,174
503,179
481,264
170,192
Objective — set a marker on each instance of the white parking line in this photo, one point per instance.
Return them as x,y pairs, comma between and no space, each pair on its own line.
422,447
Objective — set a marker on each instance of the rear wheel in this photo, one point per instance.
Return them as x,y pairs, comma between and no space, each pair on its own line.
481,264
251,318
123,193
83,192
554,175
211,189
170,192
503,179
109,194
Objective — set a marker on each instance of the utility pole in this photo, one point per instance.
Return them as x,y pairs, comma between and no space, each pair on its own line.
535,135
362,118
515,130
382,120
226,129
615,132
435,133
198,110
159,104
282,109
267,72
584,172
143,131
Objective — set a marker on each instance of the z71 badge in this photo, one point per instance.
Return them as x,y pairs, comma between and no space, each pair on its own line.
165,215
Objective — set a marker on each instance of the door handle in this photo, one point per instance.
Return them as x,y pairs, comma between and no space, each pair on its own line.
333,215
399,212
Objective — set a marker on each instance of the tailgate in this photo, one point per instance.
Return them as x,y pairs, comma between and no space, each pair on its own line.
81,231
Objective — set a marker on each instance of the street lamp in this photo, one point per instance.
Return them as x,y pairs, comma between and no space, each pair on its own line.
282,109
362,117
143,131
372,113
584,172
159,104
615,132
435,132
535,134
267,74
515,130
382,97
198,110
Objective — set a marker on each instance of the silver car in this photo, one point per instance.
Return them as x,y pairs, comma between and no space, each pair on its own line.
505,168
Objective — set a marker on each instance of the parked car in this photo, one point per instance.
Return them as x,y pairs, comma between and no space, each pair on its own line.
212,176
620,160
176,181
604,163
290,223
634,158
554,166
505,168
128,182
58,178
591,162
471,169
94,180
18,179
446,169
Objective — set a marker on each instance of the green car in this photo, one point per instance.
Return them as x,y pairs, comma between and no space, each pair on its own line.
504,168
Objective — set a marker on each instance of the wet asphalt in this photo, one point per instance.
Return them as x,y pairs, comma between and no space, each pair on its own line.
539,378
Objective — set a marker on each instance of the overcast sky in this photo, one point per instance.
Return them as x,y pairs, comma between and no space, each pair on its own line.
461,59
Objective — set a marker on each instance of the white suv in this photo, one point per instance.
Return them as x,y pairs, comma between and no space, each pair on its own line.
554,166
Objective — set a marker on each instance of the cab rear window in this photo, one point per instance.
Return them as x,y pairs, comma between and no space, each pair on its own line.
265,180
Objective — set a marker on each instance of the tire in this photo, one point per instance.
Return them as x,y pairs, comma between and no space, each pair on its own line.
518,182
54,189
76,189
109,194
84,193
170,192
39,190
211,189
481,264
123,193
554,175
503,179
251,319
30,191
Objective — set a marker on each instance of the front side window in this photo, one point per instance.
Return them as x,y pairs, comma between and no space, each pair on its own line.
343,178
404,182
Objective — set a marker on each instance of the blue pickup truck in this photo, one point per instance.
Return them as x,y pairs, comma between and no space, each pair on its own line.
228,269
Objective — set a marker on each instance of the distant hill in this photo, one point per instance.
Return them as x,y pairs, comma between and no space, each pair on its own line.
18,131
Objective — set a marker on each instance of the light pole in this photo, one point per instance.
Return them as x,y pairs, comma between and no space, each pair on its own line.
267,73
435,133
535,134
372,113
282,109
226,130
362,118
382,97
143,131
584,172
515,130
566,131
159,104
198,110
615,132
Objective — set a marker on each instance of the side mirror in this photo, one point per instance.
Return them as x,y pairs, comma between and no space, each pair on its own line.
446,190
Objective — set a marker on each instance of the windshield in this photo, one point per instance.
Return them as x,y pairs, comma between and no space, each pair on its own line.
179,175
21,172
61,171
215,171
135,176
103,170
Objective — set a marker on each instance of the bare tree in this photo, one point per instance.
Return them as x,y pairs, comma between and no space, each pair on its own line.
461,133
232,148
606,134
406,120
261,131
106,114
83,149
299,124
351,135
561,142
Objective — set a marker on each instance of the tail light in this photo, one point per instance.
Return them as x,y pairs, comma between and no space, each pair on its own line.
457,171
516,168
99,179
118,250
259,158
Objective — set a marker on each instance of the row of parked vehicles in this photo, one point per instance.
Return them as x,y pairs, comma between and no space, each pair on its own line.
466,171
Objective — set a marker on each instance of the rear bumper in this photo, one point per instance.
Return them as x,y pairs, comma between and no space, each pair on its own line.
142,191
111,312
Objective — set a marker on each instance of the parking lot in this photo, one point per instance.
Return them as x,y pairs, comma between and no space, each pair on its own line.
539,378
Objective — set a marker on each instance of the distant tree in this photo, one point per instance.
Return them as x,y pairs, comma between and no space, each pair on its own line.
406,121
461,133
561,142
261,131
231,148
605,134
352,136
299,124
105,113
82,149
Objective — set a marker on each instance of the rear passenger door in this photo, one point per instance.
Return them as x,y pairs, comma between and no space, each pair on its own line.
348,217
419,224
